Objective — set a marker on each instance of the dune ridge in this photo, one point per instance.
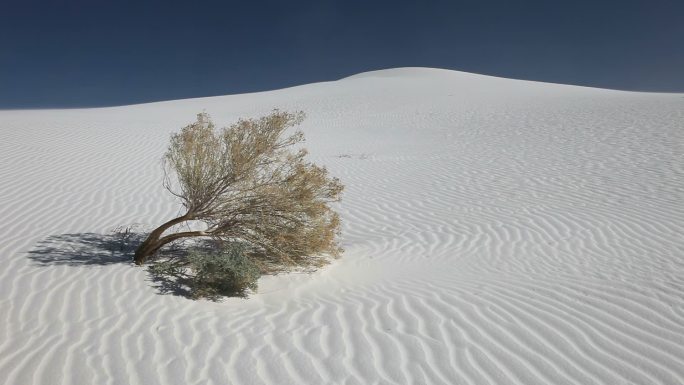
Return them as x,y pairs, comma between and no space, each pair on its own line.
496,232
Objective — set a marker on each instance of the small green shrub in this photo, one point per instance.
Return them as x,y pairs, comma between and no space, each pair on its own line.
208,273
228,271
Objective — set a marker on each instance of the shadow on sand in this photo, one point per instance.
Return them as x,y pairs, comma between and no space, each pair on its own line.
86,249
117,247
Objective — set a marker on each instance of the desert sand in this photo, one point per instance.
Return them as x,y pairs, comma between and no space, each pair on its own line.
497,231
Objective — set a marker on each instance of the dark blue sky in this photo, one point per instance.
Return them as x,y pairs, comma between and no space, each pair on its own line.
98,53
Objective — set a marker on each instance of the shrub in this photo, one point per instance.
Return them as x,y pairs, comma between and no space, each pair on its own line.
228,271
247,185
208,272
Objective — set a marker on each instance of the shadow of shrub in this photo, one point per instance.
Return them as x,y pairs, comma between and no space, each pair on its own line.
201,269
87,249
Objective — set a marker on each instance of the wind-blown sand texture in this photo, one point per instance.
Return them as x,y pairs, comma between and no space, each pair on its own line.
496,232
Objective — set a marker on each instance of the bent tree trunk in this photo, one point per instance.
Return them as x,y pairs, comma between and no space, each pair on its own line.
155,241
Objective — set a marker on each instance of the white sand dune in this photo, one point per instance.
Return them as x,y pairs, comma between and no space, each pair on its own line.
497,232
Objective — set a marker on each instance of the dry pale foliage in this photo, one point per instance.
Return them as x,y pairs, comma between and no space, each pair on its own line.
249,185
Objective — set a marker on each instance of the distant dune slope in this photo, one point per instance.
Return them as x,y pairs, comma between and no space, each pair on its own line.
496,232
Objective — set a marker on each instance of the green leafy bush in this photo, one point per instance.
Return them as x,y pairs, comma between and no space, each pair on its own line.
208,273
226,272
